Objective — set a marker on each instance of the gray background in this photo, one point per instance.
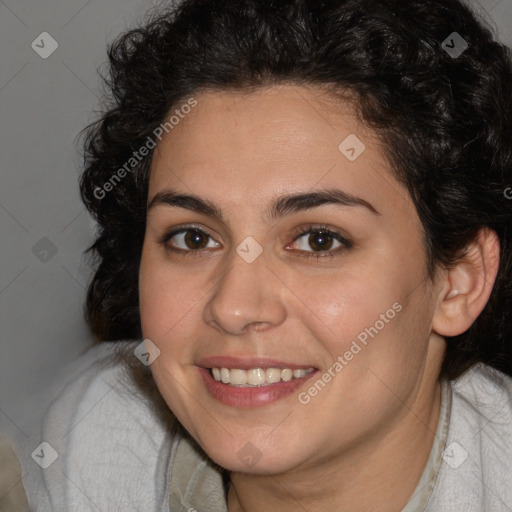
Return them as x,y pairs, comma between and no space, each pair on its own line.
44,105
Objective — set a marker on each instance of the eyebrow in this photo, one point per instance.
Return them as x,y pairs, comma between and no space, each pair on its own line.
284,205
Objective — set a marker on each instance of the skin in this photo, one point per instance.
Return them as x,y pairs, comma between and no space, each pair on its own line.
363,441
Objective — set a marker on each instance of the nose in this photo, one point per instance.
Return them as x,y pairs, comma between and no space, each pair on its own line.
247,296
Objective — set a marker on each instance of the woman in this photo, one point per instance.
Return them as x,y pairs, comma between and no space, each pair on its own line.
303,212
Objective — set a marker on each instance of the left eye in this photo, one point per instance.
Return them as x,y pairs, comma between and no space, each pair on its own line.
321,240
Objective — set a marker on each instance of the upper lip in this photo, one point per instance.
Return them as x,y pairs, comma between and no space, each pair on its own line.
248,363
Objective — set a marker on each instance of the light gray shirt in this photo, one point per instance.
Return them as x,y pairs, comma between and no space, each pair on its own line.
109,448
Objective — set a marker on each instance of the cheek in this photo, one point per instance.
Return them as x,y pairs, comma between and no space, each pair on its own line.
165,297
343,306
153,301
375,320
164,305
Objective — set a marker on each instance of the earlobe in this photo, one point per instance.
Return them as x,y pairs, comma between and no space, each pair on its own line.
467,286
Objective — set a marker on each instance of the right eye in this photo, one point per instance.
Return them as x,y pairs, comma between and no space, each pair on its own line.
189,239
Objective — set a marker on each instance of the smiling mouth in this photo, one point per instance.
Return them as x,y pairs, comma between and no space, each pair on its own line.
257,377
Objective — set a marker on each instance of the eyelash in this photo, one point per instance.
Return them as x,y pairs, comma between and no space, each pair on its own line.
312,229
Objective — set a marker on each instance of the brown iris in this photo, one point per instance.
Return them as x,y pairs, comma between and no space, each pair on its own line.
320,240
196,239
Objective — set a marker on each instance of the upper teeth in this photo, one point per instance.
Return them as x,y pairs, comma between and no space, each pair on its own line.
257,376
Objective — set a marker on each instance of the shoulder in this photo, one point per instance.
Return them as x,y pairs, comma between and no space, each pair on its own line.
476,469
481,381
482,405
108,439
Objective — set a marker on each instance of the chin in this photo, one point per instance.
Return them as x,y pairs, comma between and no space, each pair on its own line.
245,457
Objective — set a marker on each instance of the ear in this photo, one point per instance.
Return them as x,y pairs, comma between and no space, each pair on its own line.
466,288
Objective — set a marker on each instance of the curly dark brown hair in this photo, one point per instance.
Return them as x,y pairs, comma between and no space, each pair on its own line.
445,120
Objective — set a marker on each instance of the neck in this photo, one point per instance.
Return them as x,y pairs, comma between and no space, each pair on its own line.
378,474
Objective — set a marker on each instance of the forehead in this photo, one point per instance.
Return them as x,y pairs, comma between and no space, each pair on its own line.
245,148
290,118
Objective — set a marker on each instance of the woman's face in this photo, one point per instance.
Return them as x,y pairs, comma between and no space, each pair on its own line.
240,286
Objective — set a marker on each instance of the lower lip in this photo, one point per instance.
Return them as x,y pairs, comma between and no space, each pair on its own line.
251,396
